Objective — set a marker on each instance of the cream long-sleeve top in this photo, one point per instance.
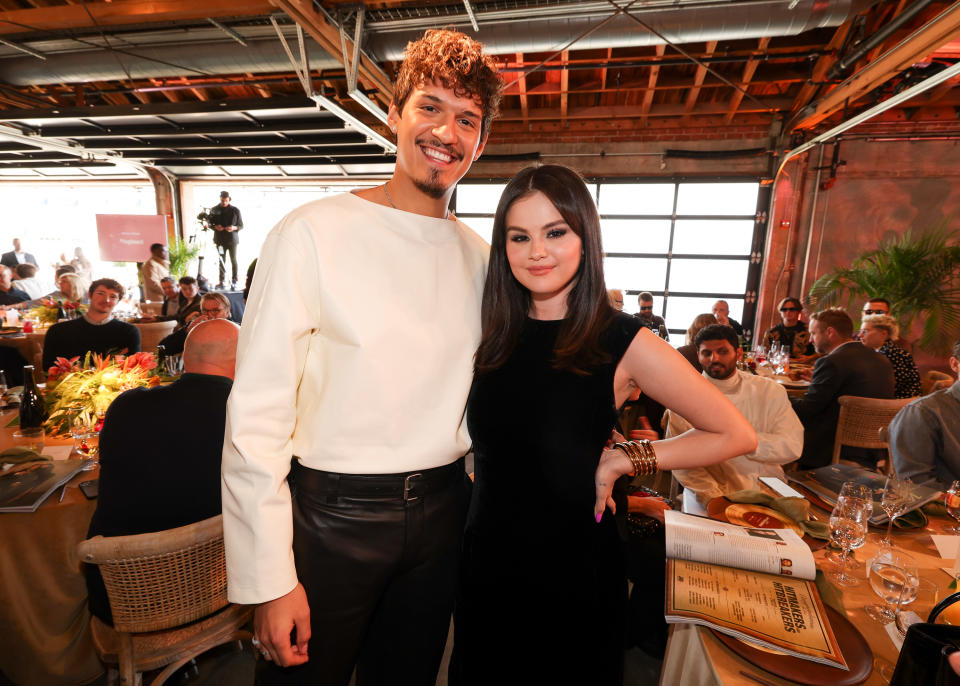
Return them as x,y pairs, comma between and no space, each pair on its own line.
766,406
355,356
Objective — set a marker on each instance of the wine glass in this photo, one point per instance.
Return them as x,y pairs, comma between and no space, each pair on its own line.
895,498
848,528
851,490
951,500
86,442
3,391
893,577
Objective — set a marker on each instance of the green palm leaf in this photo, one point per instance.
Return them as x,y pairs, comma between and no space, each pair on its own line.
918,274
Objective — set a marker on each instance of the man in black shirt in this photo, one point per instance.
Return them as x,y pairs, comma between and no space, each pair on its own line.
8,294
652,321
225,221
96,331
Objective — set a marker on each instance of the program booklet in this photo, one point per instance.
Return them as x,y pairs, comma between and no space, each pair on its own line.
825,482
24,487
753,584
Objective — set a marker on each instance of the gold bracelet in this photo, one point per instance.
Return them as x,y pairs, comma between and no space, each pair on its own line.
632,454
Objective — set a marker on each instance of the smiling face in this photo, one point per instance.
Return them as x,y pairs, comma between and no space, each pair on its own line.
169,288
543,251
103,300
438,138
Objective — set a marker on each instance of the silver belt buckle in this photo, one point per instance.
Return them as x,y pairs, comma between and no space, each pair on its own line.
408,487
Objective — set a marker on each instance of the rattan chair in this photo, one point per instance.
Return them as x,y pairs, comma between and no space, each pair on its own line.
861,420
152,333
168,596
934,381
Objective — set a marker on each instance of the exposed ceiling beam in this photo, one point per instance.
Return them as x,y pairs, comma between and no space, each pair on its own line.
111,14
328,37
748,71
161,108
652,83
940,30
149,146
698,78
564,84
522,87
318,123
824,64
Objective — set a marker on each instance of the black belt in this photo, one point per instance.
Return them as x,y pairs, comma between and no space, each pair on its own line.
406,485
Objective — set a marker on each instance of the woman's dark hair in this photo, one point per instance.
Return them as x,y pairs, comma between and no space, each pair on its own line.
506,303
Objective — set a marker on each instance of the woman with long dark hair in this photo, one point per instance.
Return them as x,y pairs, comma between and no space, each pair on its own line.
543,592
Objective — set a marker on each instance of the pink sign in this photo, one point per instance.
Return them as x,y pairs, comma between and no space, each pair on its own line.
128,237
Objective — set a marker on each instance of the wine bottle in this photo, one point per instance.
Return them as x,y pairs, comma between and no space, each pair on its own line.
32,410
61,313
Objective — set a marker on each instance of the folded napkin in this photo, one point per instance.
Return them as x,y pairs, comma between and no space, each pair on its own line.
797,509
18,455
829,594
915,519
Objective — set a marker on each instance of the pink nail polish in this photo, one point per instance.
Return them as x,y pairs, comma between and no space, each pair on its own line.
599,517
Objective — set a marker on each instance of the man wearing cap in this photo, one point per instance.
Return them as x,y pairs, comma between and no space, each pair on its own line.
225,221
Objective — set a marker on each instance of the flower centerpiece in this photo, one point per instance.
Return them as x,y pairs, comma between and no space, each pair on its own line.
48,311
81,394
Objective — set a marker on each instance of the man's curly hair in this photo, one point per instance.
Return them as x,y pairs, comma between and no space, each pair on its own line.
455,61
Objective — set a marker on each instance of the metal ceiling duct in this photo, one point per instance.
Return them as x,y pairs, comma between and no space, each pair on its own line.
681,23
505,28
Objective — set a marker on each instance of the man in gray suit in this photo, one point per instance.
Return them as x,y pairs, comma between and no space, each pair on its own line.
846,368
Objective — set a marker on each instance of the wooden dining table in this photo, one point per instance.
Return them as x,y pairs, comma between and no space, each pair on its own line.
695,657
43,596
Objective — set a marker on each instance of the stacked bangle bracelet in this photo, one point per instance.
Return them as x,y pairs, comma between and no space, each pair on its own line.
641,456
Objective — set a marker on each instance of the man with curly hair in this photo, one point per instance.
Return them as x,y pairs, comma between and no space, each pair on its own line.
344,489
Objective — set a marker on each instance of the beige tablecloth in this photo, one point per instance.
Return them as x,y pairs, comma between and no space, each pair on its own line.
695,658
45,636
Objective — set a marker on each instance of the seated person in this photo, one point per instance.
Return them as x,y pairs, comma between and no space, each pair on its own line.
188,301
70,287
212,306
925,435
652,321
9,294
721,310
846,368
152,478
26,280
96,331
762,401
614,295
171,299
689,350
880,332
790,332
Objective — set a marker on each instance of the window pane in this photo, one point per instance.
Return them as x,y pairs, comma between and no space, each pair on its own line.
717,198
635,273
682,311
709,276
479,197
482,225
635,235
636,198
713,237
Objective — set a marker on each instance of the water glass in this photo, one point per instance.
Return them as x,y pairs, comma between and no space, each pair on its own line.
86,443
173,365
893,576
848,529
851,490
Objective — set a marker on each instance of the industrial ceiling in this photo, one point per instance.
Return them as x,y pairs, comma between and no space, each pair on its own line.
298,88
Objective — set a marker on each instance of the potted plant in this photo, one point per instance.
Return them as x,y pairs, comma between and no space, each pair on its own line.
918,274
181,254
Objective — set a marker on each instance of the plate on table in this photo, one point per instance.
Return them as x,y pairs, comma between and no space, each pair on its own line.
854,647
7,330
757,517
792,383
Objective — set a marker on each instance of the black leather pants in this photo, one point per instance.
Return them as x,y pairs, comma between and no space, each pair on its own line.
378,557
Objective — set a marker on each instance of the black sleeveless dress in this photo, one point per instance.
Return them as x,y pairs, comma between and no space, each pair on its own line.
542,591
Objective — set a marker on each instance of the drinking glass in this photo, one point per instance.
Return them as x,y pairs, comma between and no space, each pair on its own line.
921,604
851,490
3,391
894,500
848,528
173,364
893,576
86,442
951,500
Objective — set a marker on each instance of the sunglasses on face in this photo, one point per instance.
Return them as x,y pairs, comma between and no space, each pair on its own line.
789,309
646,307
874,311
